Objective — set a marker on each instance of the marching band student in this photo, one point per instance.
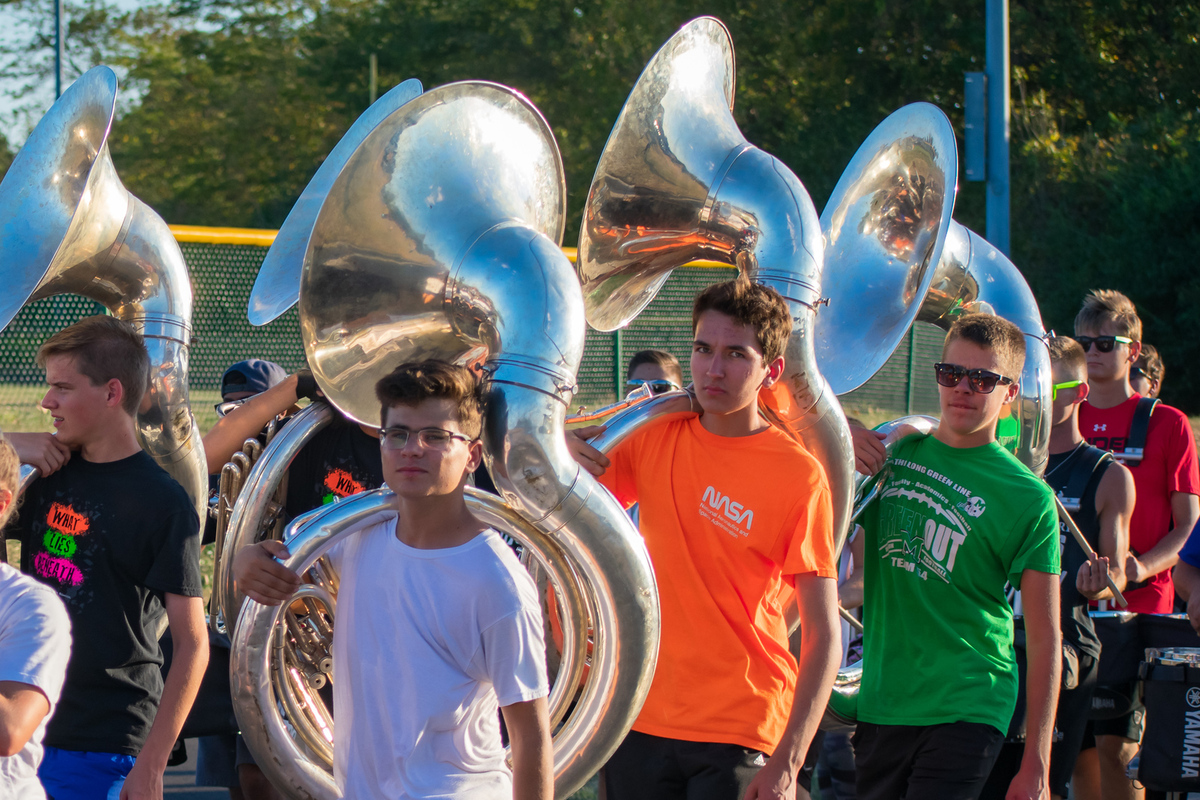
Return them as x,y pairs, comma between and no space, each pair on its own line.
118,539
340,460
1104,490
732,511
463,622
224,759
1167,507
1146,374
958,518
35,643
657,368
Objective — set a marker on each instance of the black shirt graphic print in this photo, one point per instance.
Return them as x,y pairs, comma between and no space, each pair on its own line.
112,539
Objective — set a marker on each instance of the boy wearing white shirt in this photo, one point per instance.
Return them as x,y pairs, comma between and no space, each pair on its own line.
438,623
35,643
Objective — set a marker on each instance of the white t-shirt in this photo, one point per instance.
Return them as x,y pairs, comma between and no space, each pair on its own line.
428,645
35,643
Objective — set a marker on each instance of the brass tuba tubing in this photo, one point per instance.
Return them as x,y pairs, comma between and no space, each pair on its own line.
532,369
250,509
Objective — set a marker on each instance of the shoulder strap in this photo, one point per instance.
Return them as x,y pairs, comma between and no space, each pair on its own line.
1141,424
1081,474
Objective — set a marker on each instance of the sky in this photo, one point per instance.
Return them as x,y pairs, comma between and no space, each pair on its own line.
13,29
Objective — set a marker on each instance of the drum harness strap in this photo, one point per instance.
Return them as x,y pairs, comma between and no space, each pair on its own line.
1135,444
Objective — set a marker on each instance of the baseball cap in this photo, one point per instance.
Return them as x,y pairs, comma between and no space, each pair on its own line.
253,375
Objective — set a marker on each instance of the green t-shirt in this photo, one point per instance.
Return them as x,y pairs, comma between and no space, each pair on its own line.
950,527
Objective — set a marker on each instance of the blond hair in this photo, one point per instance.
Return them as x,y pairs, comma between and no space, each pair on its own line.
991,333
1109,305
10,476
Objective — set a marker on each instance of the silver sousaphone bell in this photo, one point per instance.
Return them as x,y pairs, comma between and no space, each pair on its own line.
68,225
439,238
677,181
897,257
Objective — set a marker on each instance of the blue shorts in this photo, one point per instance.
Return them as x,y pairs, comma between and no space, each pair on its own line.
76,775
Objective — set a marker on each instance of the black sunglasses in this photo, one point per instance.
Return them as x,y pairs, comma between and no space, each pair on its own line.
1104,344
657,386
981,380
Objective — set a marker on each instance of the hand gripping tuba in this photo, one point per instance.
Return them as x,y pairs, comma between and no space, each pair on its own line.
677,181
897,257
438,239
68,225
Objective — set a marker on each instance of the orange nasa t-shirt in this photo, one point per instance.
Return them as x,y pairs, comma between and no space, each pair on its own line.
725,521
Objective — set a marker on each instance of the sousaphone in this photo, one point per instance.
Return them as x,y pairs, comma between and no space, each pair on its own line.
439,238
678,181
897,257
70,226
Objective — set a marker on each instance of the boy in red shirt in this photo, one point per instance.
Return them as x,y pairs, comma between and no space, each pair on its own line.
1166,482
734,514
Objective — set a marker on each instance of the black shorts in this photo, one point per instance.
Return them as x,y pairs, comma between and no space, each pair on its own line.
649,767
951,761
1070,722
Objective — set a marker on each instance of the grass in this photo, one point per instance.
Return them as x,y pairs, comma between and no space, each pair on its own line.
20,408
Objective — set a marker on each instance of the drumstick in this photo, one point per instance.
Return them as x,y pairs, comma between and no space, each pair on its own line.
1065,516
850,619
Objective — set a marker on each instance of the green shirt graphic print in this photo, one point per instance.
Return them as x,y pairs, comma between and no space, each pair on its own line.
950,527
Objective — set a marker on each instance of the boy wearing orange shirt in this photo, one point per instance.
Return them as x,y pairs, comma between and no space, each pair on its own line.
734,514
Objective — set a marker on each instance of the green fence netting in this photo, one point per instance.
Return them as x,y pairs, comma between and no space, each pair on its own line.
223,275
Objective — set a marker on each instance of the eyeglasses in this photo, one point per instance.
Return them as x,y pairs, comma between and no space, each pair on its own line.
429,438
226,406
657,386
981,380
1065,385
1138,372
1104,344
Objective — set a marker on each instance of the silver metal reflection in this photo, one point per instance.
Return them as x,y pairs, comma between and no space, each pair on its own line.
439,239
277,286
885,225
677,181
67,224
973,276
896,257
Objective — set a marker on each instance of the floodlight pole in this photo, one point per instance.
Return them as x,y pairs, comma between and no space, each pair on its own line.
998,99
58,48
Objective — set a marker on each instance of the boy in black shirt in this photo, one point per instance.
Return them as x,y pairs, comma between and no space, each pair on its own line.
119,540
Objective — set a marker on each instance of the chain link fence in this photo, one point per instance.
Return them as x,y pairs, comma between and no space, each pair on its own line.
223,275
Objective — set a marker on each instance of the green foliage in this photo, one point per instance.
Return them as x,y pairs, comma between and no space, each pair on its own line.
234,104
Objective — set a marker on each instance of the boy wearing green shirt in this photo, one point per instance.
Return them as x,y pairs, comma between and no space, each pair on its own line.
957,518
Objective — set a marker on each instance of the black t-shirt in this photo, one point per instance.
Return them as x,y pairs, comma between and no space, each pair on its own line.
340,460
111,539
1077,627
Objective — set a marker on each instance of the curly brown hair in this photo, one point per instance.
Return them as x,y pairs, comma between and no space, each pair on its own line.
752,304
416,382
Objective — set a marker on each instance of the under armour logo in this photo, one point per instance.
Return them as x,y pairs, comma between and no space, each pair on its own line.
1102,427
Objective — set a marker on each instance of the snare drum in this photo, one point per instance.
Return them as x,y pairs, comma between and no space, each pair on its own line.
1120,654
1170,755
